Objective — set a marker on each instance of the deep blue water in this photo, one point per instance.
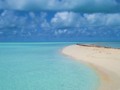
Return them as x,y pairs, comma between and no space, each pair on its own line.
41,66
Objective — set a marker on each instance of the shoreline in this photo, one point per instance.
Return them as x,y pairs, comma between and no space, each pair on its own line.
98,46
104,60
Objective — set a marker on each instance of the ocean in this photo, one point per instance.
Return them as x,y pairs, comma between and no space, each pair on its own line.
42,66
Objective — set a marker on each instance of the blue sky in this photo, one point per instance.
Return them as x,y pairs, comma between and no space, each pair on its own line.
59,20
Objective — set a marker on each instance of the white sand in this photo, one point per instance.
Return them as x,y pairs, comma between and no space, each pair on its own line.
106,61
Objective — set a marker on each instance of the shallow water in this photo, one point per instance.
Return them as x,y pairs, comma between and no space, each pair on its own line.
41,66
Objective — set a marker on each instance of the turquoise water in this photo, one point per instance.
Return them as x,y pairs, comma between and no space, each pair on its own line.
41,66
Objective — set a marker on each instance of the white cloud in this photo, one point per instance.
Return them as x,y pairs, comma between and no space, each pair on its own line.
71,19
75,5
85,24
60,31
103,19
65,19
62,23
30,21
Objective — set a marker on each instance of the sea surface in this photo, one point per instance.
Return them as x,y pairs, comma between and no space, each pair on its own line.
42,66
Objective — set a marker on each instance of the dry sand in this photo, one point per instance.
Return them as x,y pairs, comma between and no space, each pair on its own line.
106,61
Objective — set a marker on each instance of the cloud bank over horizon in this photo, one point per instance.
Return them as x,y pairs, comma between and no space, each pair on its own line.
64,24
83,6
66,19
57,19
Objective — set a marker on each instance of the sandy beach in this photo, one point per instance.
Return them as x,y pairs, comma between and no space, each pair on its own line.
105,61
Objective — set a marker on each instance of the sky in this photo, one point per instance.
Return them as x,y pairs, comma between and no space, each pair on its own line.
59,20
